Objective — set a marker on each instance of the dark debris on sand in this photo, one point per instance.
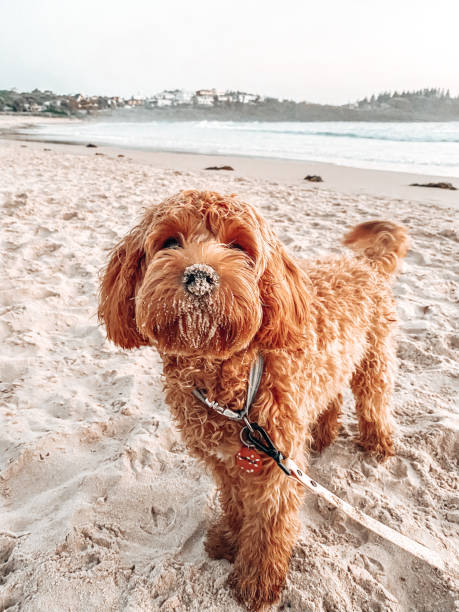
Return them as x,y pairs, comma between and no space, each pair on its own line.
437,185
220,168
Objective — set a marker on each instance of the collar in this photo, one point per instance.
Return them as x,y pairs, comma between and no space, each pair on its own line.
256,372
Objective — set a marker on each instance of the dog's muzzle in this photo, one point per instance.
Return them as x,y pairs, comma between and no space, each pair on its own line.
200,279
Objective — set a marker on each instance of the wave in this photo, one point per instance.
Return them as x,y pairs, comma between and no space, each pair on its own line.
259,128
381,137
389,132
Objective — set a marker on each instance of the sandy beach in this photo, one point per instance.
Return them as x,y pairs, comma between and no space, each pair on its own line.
345,179
101,509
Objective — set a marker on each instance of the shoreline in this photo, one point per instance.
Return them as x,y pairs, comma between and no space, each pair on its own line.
348,180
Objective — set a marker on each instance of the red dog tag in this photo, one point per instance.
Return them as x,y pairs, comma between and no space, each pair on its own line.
249,460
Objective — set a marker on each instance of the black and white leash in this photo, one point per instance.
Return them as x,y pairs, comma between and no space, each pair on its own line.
254,435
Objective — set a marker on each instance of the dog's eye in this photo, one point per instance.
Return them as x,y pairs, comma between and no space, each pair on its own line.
238,247
171,243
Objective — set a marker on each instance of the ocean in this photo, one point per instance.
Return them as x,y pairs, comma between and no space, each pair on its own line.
425,148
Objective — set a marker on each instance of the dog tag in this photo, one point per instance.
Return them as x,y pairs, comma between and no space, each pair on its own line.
249,460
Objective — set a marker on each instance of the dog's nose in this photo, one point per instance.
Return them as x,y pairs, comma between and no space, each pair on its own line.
200,279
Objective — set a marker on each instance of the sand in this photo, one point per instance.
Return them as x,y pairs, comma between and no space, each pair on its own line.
101,508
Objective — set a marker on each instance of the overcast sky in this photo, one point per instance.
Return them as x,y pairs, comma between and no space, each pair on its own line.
328,51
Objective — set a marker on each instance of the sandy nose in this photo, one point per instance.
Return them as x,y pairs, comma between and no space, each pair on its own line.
200,279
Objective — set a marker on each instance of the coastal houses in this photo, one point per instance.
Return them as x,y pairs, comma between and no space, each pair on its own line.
205,97
173,97
200,97
46,101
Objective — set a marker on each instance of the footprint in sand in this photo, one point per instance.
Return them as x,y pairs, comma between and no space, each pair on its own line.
12,369
161,521
418,258
5,331
9,590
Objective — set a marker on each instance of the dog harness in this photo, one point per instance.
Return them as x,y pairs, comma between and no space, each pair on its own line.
253,436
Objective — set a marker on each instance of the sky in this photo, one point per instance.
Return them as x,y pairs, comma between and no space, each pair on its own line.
326,51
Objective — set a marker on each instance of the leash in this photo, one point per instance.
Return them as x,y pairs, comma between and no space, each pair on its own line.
254,436
411,546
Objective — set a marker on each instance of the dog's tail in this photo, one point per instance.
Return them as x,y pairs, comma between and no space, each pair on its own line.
382,242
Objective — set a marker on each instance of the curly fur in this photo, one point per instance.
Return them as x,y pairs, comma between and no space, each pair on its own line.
320,326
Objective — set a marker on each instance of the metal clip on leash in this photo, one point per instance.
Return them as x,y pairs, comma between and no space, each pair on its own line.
265,445
255,375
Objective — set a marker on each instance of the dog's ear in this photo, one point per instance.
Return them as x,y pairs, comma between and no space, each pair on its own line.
285,301
117,291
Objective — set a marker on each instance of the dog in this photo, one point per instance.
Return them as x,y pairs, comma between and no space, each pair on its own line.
205,280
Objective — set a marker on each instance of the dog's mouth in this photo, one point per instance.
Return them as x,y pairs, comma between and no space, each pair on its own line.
190,321
199,322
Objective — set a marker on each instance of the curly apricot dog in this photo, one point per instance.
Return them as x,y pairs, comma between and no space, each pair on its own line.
204,280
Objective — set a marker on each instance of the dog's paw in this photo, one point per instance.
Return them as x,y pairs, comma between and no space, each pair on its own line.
256,592
382,447
327,426
218,544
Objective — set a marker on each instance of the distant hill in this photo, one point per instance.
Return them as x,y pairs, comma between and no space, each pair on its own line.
421,105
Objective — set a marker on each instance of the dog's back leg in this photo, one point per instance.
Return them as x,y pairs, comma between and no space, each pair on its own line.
326,428
372,385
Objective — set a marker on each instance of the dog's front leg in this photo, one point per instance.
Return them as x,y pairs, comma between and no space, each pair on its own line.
222,537
271,502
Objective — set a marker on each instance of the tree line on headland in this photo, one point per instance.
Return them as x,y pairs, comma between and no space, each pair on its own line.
210,104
